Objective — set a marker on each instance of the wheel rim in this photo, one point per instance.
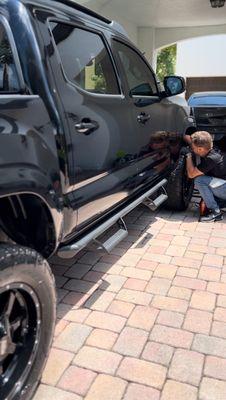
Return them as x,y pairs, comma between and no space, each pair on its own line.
20,325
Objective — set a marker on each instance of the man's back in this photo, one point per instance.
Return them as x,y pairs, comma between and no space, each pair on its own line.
213,164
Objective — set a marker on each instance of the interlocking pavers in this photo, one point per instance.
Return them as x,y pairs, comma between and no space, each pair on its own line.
135,284
143,317
72,337
102,338
131,272
121,308
180,293
174,390
131,342
106,387
102,320
189,272
212,389
100,300
167,271
215,367
221,301
143,372
186,366
209,345
217,287
77,380
135,392
170,303
171,336
198,321
158,352
189,283
170,318
158,286
54,369
50,393
209,273
219,329
203,300
97,360
220,314
134,296
143,322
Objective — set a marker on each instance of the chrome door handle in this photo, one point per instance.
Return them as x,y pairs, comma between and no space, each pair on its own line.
86,126
142,118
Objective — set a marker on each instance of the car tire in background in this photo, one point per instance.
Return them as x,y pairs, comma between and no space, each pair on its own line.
179,187
27,320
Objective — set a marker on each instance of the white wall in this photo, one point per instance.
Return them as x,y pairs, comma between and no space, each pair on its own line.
203,56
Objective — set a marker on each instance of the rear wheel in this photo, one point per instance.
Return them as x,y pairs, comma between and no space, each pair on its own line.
27,320
179,187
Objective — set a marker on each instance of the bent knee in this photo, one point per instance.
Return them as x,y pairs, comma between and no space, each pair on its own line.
200,179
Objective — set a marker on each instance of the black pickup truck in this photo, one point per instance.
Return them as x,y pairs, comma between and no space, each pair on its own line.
86,135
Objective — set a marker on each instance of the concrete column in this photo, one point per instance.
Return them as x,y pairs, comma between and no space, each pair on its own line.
146,44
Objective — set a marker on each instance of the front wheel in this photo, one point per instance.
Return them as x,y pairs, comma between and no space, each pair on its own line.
179,187
27,320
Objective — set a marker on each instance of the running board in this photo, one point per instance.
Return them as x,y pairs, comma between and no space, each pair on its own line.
116,238
154,204
71,250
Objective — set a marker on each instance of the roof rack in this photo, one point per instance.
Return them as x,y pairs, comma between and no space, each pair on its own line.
87,11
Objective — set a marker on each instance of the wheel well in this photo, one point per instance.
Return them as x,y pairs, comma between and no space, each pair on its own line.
26,219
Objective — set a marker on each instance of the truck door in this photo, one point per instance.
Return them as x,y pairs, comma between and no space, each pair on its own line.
154,119
102,169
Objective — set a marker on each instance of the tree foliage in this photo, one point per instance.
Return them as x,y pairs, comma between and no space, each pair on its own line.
166,61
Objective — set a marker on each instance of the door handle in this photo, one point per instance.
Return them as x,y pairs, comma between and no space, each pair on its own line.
86,126
142,118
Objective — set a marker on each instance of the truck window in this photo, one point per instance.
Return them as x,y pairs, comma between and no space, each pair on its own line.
85,59
140,79
8,75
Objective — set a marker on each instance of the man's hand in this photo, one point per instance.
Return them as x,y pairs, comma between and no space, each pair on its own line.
192,171
185,151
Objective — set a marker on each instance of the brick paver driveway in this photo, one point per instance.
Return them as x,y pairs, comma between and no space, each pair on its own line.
147,321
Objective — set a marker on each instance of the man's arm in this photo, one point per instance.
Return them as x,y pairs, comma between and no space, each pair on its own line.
192,171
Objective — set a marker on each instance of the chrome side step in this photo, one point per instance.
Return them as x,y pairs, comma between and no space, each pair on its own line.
70,250
116,238
154,204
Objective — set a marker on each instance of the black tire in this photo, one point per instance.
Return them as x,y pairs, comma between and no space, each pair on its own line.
179,188
27,320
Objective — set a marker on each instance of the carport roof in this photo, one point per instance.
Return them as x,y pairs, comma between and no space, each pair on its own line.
163,13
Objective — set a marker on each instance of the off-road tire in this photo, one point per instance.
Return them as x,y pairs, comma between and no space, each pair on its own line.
26,280
179,187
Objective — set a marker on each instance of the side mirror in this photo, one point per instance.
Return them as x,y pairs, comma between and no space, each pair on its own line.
174,85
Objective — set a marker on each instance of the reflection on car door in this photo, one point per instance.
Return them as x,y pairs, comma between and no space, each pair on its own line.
153,118
102,170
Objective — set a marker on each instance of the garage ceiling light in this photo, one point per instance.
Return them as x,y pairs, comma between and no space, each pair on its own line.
217,3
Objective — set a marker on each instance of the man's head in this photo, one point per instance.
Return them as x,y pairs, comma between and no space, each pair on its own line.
201,143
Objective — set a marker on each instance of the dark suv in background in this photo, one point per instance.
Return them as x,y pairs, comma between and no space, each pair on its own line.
85,136
209,112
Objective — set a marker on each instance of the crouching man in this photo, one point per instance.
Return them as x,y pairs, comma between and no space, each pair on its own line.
209,175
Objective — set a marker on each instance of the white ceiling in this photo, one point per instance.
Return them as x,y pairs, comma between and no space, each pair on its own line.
161,13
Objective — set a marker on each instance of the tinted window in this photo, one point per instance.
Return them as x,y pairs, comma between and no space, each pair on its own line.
8,75
85,59
140,79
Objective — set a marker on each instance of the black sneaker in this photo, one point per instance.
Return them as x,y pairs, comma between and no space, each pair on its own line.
212,216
